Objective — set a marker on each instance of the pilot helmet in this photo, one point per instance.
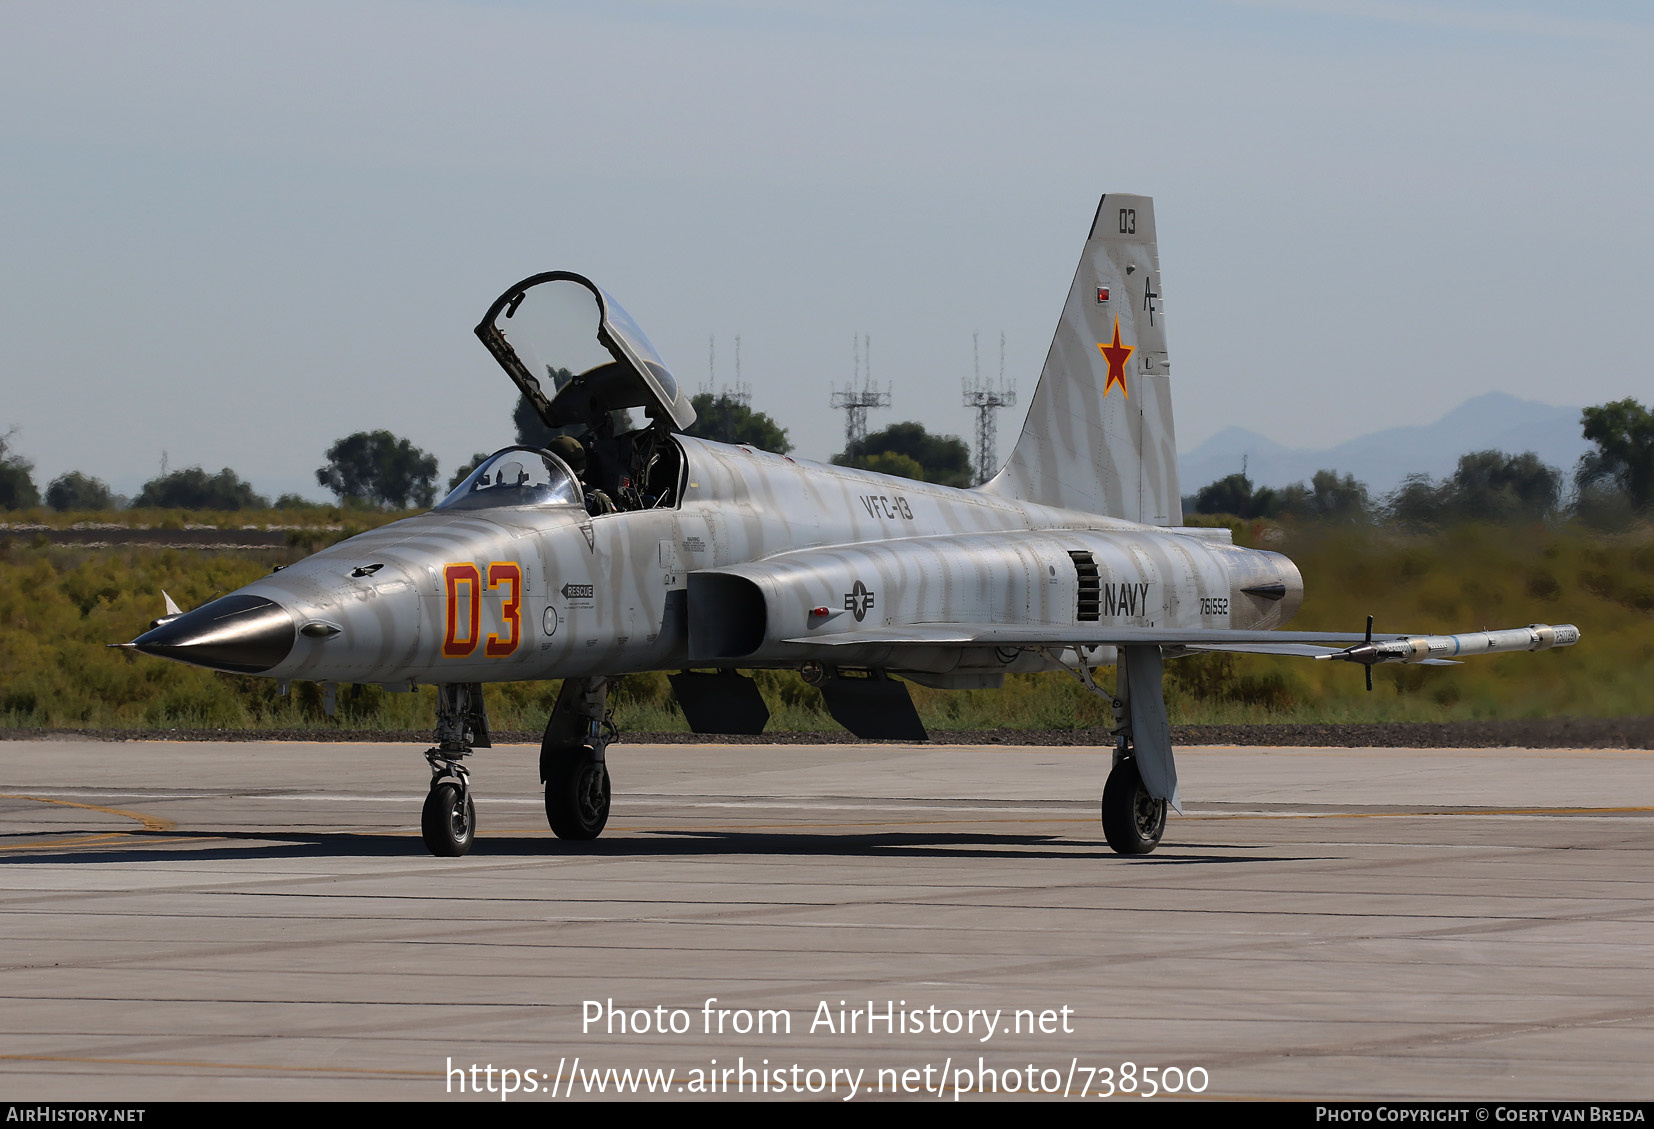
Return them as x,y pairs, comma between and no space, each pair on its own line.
568,448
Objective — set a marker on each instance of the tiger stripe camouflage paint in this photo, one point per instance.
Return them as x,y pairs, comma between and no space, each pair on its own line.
1115,452
606,587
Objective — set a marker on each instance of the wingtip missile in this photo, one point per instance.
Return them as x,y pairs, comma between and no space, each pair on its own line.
1437,649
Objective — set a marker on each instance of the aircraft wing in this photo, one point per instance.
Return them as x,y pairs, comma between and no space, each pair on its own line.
1320,645
1053,589
1094,635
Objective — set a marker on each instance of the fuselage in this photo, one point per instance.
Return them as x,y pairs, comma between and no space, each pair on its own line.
517,592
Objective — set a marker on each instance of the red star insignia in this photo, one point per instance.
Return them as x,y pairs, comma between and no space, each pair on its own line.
1116,354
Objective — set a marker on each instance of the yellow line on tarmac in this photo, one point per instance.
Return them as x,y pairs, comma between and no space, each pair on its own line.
148,822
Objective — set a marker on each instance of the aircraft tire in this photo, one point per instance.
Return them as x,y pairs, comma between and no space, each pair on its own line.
577,793
1133,820
449,821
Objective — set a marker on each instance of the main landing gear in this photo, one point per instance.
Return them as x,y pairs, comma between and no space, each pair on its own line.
449,821
1134,812
1133,820
572,763
1134,808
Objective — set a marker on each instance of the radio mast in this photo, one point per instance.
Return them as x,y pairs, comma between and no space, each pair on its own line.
854,401
985,399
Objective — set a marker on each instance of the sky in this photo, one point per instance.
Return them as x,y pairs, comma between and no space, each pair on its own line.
232,233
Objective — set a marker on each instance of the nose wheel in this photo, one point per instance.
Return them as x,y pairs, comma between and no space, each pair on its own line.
1133,820
449,821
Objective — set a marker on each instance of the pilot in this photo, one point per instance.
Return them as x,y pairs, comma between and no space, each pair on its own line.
568,448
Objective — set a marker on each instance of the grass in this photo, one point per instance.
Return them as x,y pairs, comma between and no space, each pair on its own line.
60,606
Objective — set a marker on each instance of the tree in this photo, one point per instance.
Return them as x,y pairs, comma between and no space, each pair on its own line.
194,489
1234,494
726,420
1417,502
1326,498
889,462
1624,434
471,464
1486,486
75,491
17,488
1494,486
943,459
381,469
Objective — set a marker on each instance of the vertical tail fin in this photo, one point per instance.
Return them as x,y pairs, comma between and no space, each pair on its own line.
1099,432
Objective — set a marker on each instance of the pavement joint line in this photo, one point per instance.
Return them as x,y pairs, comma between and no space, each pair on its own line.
189,1065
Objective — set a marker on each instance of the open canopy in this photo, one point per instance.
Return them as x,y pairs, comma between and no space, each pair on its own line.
577,355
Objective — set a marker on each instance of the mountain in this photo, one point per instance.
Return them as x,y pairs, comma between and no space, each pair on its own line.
1495,421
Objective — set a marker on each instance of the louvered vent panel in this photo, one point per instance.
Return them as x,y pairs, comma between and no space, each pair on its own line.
1090,602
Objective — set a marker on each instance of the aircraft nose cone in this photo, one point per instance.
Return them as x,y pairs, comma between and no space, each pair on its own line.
240,633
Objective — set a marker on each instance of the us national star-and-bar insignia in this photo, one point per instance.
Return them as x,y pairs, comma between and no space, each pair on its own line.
858,601
1116,354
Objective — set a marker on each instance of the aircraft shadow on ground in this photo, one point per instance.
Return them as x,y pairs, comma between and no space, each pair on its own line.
214,846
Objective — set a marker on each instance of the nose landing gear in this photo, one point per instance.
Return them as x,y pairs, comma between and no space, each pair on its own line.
449,820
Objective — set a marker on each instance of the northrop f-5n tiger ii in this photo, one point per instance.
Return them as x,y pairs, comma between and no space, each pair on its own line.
617,552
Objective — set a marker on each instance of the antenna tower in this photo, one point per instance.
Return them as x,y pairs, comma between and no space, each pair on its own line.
740,393
985,399
854,401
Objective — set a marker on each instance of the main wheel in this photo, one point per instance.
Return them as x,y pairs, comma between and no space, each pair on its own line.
449,821
577,793
1133,820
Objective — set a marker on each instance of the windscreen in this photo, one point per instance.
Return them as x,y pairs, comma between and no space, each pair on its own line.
516,476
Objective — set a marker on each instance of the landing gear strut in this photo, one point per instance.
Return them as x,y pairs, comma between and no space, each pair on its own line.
572,761
449,820
1143,781
1134,814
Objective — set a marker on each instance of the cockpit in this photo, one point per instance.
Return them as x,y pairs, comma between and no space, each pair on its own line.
577,355
641,470
516,476
581,362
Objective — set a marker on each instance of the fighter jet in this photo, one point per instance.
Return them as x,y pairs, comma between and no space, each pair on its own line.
617,552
